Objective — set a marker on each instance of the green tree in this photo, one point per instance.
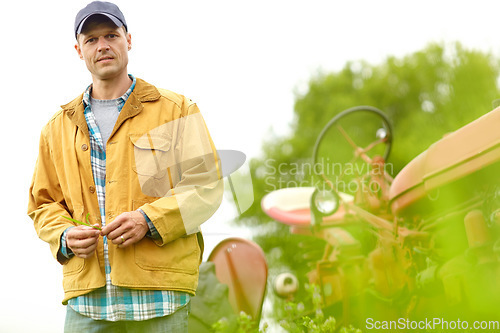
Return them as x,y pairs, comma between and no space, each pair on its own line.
425,94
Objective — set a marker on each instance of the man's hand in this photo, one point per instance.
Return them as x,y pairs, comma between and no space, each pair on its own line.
126,229
82,241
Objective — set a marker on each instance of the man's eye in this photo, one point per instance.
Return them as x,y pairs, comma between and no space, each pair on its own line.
111,36
90,40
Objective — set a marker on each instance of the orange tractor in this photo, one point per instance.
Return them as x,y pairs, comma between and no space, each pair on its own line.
421,246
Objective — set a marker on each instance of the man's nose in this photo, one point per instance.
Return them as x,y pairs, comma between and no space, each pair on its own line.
102,44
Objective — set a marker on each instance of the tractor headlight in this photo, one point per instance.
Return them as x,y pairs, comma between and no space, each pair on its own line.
324,203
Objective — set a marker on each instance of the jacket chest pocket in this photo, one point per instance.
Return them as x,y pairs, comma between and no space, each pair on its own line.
152,158
151,152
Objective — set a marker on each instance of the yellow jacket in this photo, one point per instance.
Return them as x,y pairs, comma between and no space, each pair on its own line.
159,158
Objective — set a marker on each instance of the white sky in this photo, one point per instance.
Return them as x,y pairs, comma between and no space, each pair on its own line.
241,61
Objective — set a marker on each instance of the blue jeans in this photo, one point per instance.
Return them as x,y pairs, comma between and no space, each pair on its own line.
176,322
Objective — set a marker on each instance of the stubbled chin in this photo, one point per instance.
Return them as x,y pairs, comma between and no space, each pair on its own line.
106,73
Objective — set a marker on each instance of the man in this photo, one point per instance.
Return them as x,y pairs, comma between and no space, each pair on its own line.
137,165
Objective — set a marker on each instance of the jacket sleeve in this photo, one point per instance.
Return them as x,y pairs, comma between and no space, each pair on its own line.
46,202
197,194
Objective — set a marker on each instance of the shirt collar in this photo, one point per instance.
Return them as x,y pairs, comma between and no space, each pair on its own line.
123,98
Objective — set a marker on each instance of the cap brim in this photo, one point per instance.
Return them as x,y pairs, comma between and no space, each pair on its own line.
115,20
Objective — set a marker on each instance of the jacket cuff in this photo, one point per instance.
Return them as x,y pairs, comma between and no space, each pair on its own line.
64,250
152,232
165,215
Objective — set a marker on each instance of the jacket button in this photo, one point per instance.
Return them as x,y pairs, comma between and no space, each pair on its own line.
85,147
92,189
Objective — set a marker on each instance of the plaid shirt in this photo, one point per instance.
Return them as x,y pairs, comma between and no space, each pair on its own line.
111,302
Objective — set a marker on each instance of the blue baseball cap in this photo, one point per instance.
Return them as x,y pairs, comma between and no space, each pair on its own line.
107,9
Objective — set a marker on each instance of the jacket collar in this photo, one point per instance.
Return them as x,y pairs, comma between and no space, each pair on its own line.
143,92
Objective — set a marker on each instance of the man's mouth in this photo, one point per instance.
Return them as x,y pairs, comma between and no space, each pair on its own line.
104,59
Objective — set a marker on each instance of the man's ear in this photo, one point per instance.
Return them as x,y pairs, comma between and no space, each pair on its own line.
78,50
129,41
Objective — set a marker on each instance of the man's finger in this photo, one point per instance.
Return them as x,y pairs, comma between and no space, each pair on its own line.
110,227
121,230
128,239
85,250
120,239
82,243
82,233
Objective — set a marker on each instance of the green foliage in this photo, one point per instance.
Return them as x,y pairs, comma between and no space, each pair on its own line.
244,322
297,319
